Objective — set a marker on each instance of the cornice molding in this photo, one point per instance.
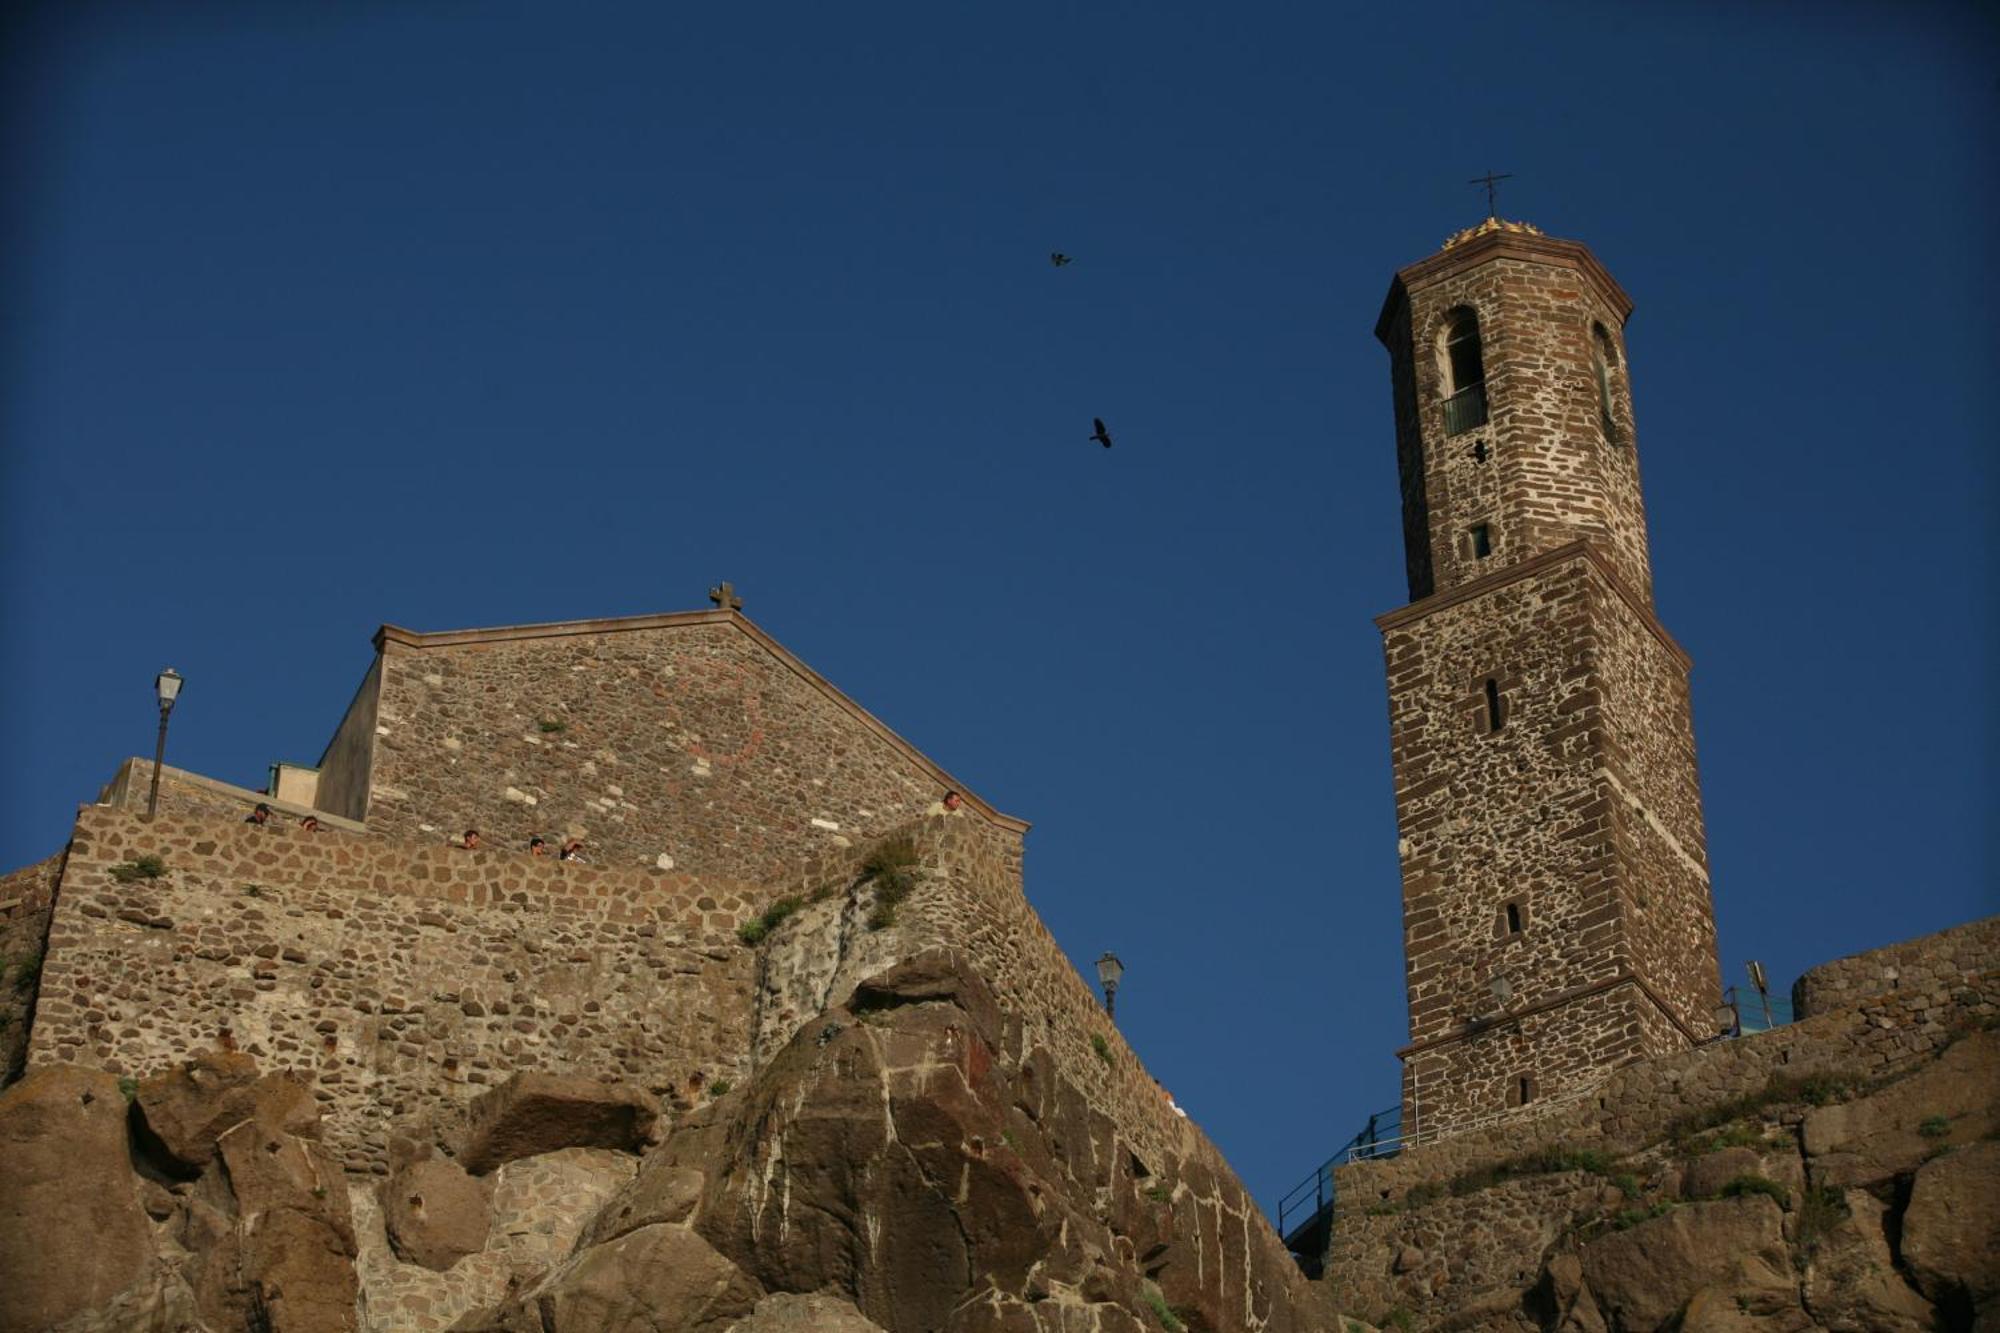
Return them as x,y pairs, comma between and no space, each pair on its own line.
1581,549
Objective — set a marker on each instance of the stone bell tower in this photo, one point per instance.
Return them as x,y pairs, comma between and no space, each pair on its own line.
1556,912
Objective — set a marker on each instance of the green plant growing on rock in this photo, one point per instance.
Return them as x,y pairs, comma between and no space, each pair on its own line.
1935,1126
1749,1183
1627,1183
1541,1162
1628,1218
1820,1211
892,867
756,928
720,1087
129,1086
1159,1193
1156,1301
139,867
1102,1047
1401,1319
550,725
27,973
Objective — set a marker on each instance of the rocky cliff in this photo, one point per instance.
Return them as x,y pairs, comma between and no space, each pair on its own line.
905,1162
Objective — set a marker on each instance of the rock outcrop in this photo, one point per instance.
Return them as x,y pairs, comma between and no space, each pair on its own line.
72,1232
902,1163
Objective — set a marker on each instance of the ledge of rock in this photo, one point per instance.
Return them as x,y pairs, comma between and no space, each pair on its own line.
187,1108
531,1114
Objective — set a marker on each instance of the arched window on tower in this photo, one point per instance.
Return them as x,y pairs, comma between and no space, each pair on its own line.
1604,364
1464,371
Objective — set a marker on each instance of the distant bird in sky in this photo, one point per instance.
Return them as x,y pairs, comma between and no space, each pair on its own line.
1058,258
1101,435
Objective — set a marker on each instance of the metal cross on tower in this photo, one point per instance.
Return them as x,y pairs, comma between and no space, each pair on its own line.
724,596
1489,180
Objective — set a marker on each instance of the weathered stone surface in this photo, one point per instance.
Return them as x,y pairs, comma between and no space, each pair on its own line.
1951,1229
294,1232
1875,1138
537,1113
914,1162
665,1190
787,1313
435,1213
1706,1175
187,1108
1644,1276
651,1280
1852,1285
72,1233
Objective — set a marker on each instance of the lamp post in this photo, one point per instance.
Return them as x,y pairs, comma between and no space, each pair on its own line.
166,688
1109,970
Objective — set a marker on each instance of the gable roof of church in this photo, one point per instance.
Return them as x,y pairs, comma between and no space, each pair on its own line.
393,639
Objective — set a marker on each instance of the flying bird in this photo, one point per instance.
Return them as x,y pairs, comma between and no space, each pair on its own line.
1101,435
1058,258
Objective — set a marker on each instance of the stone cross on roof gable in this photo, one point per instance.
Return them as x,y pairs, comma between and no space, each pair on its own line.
724,596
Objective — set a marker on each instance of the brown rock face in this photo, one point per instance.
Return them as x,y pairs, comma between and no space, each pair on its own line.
785,1313
901,1165
1951,1231
1870,1141
531,1114
647,1281
72,1233
1852,1285
1643,1277
186,1109
294,1232
435,1213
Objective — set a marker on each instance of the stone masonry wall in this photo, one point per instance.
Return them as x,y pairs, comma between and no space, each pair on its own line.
1647,759
346,767
392,977
27,897
1884,1033
1406,1239
1488,818
689,744
1541,472
1922,965
185,795
1581,813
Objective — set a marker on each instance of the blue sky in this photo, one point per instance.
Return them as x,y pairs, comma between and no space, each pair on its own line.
454,314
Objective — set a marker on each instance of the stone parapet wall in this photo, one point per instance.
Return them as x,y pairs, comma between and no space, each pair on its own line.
1920,964
27,896
185,795
397,979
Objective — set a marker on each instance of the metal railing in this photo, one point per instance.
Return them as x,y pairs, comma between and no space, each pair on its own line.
1382,1136
1755,1011
1465,409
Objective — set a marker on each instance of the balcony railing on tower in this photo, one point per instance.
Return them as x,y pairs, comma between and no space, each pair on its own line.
1465,409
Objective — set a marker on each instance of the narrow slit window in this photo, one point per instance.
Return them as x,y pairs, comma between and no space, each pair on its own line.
1513,918
1482,541
1524,1090
1494,715
1603,358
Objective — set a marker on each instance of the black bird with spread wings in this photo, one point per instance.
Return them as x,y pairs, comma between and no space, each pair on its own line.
1058,258
1101,435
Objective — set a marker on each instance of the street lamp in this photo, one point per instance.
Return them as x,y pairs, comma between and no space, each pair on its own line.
1109,970
166,688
